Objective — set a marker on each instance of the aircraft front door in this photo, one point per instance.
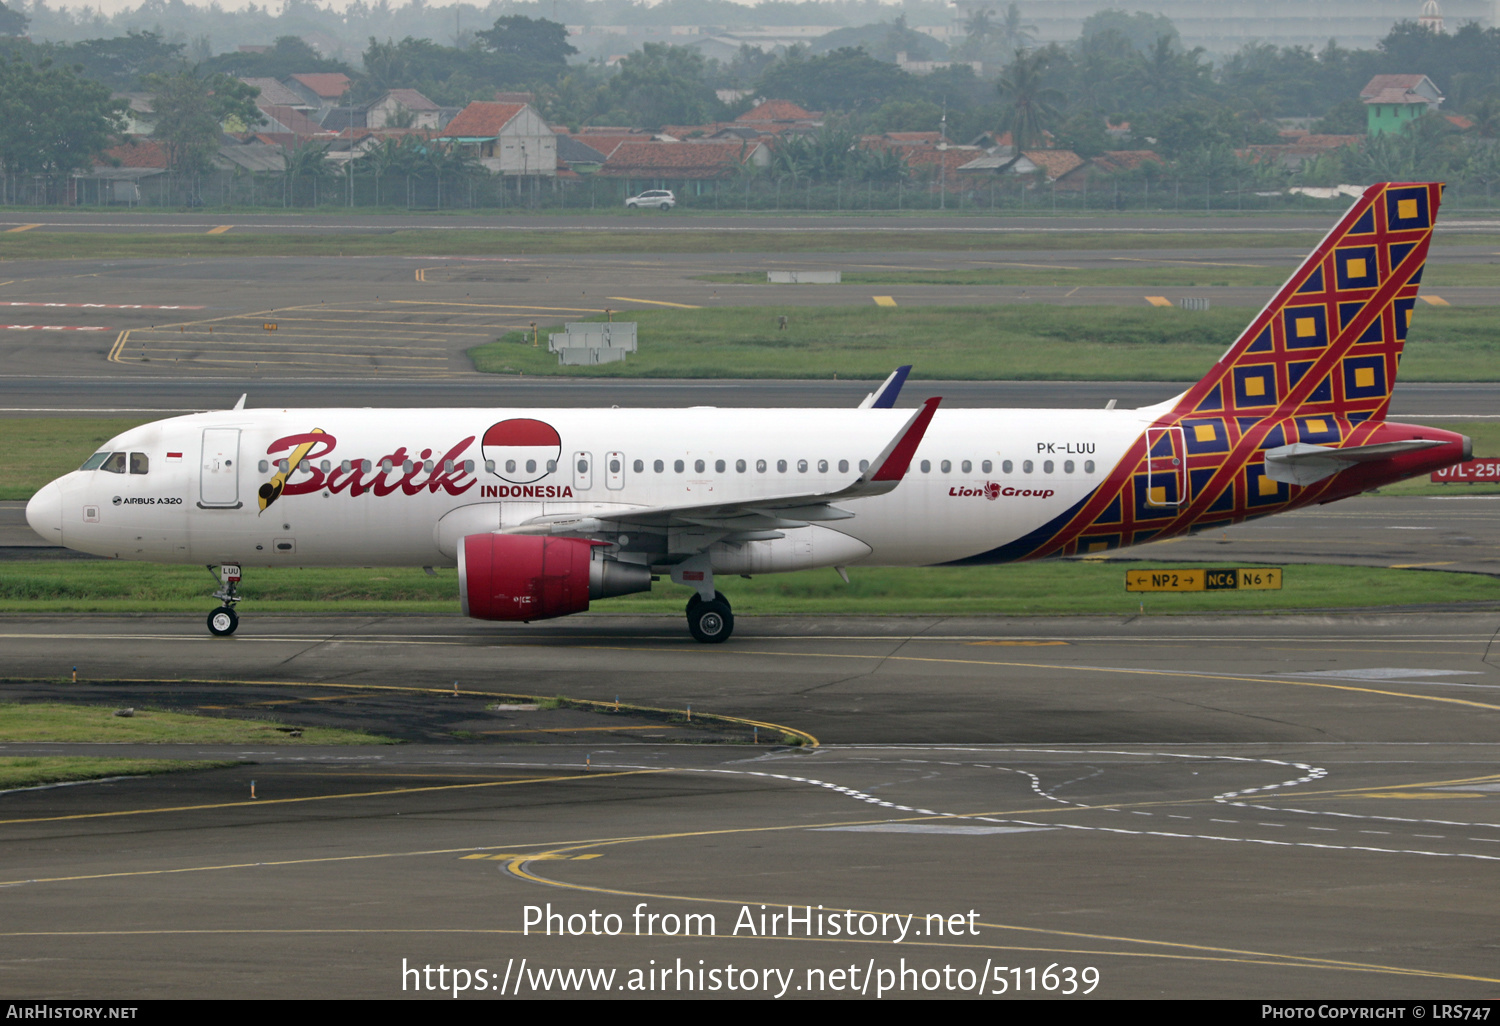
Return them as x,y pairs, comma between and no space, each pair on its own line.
1166,467
219,475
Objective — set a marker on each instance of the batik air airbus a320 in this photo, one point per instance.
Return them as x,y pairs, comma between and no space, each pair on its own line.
543,511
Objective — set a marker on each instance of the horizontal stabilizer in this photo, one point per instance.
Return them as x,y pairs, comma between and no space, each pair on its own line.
1303,464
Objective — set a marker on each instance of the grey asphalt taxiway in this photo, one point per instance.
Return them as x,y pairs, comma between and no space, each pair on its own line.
1223,807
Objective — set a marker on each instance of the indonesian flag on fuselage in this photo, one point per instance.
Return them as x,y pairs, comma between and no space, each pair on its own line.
521,449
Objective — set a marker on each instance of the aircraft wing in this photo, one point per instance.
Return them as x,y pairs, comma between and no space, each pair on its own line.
750,519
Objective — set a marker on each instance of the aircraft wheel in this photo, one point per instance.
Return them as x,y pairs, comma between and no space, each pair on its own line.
222,622
698,600
710,622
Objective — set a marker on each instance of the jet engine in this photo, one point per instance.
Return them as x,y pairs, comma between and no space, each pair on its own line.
533,577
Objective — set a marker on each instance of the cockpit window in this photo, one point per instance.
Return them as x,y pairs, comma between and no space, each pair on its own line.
140,463
92,463
115,464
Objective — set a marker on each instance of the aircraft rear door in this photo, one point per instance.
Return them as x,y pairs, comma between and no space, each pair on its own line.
219,476
1166,467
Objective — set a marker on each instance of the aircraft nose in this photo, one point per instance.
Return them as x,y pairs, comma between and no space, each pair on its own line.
45,513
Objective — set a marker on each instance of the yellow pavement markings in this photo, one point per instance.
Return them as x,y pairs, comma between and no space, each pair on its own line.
505,857
654,302
220,230
1190,674
1436,301
343,354
499,306
1412,566
269,344
256,802
884,300
22,228
114,351
581,730
1158,301
1380,789
1181,950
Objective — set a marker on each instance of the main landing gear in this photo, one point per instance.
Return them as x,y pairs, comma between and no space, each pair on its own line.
710,620
223,621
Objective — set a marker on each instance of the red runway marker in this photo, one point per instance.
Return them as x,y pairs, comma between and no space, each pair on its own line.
54,327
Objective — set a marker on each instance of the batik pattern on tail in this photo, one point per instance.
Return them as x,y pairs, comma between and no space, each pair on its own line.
1317,365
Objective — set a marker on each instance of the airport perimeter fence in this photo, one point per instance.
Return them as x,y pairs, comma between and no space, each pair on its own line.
966,194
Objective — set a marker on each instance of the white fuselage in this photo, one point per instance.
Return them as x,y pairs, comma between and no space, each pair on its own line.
980,479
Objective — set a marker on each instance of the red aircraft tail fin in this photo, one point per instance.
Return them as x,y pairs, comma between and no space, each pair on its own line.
1330,340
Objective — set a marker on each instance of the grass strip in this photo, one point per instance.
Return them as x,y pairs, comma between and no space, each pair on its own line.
57,721
971,343
29,771
1178,274
1071,587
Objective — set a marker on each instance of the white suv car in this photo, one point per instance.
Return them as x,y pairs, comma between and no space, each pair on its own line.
660,199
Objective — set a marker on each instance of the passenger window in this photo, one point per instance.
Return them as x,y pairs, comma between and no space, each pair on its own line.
760,466
926,466
1067,466
1007,466
115,464
93,462
843,466
678,466
986,466
327,466
946,466
1026,466
531,466
1047,467
583,466
385,466
551,466
719,466
739,466
468,466
426,466
781,466
640,466
510,466
447,466
966,467
406,466
489,466
864,465
614,466
366,466
264,466
1088,466
822,466
801,466
697,466
658,466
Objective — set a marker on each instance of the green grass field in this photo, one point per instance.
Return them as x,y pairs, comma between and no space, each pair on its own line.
33,771
972,343
1082,587
57,721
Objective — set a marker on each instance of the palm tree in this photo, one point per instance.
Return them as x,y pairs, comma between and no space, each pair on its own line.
1030,107
1013,34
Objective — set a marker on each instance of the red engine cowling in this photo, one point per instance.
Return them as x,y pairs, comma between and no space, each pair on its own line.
531,577
523,577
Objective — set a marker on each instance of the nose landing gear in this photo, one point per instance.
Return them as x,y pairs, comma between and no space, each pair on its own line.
223,621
